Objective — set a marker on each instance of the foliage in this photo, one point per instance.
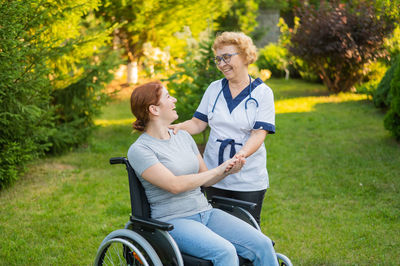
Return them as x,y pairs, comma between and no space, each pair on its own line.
392,44
44,47
78,103
197,72
155,22
273,4
382,97
25,113
370,81
240,16
337,40
275,58
392,118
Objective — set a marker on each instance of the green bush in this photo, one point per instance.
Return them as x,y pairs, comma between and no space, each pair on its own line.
383,96
276,58
25,113
78,104
48,52
392,118
375,72
273,57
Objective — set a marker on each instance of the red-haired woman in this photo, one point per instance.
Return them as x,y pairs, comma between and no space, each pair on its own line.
172,170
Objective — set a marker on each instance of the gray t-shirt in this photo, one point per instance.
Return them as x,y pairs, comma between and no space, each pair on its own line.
179,155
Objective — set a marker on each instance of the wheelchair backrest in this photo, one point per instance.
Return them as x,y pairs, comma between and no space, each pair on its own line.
139,204
140,207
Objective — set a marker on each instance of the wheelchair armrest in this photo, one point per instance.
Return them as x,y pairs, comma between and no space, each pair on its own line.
118,160
151,223
231,203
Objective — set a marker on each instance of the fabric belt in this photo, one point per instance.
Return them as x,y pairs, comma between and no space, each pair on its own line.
225,143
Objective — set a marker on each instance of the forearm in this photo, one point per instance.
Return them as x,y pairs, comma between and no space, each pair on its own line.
193,181
193,126
256,139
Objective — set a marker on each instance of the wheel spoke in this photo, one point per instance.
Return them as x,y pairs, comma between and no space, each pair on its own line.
117,252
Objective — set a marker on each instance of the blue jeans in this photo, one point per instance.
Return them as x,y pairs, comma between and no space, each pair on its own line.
218,236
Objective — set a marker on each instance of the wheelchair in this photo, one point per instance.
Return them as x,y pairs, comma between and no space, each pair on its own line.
145,241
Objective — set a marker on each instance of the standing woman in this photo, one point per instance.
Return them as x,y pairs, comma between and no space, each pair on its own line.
240,112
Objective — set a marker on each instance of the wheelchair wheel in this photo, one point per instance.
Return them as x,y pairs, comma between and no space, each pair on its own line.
125,247
283,260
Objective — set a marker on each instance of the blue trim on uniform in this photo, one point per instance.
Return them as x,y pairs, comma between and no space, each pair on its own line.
201,116
266,126
225,143
232,103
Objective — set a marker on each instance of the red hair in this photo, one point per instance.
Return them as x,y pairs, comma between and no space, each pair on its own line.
141,99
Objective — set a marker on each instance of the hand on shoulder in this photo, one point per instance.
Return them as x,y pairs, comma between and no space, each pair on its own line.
175,127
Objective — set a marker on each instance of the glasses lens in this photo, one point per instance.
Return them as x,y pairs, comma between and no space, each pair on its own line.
227,57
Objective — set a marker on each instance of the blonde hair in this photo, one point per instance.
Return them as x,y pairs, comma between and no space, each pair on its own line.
243,42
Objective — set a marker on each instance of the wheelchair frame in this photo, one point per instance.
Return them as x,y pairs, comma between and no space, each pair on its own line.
145,241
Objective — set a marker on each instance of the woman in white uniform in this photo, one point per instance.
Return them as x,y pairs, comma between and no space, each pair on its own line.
240,112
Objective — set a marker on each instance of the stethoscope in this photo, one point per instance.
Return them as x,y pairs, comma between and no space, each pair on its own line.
246,103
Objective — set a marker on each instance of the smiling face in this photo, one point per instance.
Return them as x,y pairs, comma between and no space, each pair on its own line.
166,107
236,68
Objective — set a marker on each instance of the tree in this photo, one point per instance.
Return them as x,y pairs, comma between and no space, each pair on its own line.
337,40
155,22
240,16
45,47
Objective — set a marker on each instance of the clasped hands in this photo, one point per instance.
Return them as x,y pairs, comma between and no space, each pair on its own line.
233,165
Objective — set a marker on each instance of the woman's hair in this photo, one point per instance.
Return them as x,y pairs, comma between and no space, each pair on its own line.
243,42
142,97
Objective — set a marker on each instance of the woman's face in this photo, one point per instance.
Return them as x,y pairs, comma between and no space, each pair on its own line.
236,66
167,106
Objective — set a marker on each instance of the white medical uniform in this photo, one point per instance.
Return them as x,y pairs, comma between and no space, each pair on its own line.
231,128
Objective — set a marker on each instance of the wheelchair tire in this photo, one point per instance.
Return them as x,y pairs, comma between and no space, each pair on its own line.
283,260
125,247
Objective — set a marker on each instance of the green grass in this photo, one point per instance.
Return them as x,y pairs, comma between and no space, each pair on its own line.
334,196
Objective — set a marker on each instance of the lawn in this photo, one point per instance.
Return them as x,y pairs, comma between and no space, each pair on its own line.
334,196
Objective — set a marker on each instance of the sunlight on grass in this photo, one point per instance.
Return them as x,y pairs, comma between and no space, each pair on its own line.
113,122
307,104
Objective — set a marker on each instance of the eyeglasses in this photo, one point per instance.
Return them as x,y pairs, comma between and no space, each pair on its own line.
225,57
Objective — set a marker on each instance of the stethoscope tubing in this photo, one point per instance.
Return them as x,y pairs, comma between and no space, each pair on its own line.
250,99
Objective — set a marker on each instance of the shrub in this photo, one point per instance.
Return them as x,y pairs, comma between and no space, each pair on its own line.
338,39
374,74
382,96
392,118
274,57
25,113
77,104
46,49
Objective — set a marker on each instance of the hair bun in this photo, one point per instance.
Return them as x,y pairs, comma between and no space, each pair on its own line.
138,125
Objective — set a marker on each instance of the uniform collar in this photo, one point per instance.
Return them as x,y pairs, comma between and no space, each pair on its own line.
232,103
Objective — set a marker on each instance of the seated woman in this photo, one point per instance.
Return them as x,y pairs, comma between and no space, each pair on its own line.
172,170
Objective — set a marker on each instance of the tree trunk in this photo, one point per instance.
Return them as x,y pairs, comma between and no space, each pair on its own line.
132,73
